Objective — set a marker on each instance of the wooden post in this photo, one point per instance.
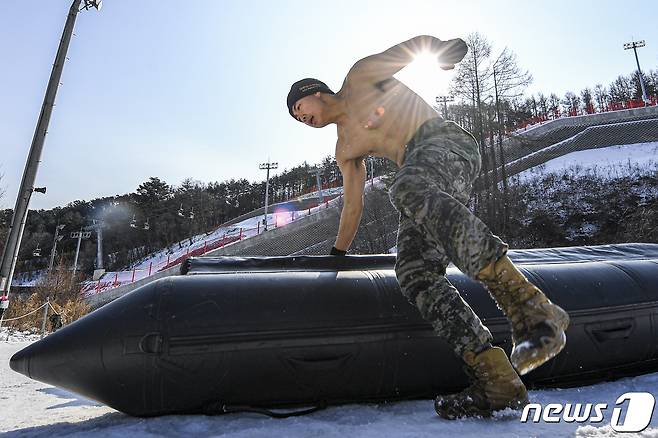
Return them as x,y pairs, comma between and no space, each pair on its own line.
45,317
150,268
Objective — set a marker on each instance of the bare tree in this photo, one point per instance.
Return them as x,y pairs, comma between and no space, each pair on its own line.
571,103
588,100
472,81
554,105
509,82
542,102
601,97
622,89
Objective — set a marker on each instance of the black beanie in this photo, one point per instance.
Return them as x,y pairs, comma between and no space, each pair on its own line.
304,88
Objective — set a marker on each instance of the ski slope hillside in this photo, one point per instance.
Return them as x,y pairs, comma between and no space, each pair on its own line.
612,161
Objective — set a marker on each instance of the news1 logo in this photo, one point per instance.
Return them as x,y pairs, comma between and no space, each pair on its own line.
638,412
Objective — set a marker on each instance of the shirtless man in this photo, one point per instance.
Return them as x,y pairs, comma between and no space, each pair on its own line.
438,163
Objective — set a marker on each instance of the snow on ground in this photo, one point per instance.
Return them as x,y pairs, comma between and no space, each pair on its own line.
614,161
32,409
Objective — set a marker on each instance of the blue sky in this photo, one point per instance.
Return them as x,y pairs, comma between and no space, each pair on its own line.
197,89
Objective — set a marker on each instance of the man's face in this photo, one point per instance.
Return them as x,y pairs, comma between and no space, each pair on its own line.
309,110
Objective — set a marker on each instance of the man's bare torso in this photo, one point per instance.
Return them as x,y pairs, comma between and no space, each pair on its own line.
380,118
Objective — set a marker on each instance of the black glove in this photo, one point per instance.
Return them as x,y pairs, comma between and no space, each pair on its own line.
452,52
337,252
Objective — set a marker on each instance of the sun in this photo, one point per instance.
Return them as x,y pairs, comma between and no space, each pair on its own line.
424,76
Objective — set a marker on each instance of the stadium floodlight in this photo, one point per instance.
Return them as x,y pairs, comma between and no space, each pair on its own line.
444,100
98,4
267,166
634,45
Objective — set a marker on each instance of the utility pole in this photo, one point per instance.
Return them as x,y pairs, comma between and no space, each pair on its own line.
19,217
79,235
267,166
53,252
318,172
97,225
634,45
444,100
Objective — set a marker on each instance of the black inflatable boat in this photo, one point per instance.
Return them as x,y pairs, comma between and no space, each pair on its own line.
282,332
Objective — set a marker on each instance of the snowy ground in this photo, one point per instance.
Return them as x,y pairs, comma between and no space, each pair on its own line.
31,409
613,161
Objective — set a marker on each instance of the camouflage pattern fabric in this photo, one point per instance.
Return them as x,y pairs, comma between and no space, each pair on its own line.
430,189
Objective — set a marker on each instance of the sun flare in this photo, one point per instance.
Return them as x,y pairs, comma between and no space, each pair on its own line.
424,76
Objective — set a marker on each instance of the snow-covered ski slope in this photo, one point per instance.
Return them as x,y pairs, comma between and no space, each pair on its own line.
33,409
613,161
201,244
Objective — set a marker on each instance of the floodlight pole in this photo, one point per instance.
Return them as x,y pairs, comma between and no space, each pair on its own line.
634,45
19,216
267,166
317,171
444,100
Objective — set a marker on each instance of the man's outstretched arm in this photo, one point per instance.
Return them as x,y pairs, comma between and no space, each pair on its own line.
385,64
354,180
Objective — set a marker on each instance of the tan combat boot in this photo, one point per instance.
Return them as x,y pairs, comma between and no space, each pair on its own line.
538,325
495,386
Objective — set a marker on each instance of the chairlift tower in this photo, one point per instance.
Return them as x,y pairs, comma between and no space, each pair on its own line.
53,251
82,234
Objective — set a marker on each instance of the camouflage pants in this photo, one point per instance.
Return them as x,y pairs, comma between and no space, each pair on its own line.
429,191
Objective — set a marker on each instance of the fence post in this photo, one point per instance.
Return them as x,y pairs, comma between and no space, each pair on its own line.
150,267
45,316
240,238
205,246
133,280
258,228
116,278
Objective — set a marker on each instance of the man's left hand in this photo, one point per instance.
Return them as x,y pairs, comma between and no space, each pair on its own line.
337,252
